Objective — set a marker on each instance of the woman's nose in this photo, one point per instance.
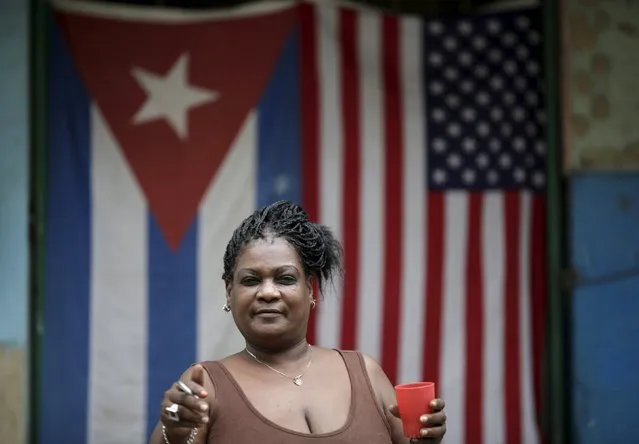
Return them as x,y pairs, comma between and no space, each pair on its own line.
268,290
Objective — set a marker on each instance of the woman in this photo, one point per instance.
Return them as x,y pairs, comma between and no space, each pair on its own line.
280,389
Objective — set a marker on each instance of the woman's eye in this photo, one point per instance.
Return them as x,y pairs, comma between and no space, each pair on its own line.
287,280
249,281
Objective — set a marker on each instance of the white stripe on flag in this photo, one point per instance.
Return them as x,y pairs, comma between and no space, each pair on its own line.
230,198
118,351
493,278
371,199
453,345
330,162
529,426
413,309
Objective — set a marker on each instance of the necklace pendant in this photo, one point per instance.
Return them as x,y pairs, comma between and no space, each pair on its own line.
298,380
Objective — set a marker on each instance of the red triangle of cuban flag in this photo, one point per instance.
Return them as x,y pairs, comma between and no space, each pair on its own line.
175,95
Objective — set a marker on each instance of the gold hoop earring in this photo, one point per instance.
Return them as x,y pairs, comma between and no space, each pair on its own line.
226,307
313,303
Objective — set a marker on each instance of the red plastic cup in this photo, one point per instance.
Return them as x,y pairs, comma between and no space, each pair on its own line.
413,400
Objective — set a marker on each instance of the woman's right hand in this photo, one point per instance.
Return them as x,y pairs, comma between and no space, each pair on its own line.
193,410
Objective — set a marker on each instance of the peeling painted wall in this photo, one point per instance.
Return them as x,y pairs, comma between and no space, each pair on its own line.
601,84
14,45
13,403
604,250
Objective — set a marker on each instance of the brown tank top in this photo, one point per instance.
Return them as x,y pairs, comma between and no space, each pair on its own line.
237,422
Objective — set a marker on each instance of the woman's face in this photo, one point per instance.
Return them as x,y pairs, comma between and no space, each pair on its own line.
270,296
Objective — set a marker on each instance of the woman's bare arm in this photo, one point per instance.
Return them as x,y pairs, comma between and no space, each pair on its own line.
385,393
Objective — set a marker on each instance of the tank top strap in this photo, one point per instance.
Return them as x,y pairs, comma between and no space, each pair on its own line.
366,403
225,387
231,402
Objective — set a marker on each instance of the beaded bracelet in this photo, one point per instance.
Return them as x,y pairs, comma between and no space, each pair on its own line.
189,440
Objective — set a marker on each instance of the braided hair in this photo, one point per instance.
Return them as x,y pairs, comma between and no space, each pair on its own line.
319,251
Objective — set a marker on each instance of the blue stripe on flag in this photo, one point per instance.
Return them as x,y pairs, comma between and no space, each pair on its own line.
67,290
279,132
172,315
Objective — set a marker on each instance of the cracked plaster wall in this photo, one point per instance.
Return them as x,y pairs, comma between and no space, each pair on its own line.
601,84
14,44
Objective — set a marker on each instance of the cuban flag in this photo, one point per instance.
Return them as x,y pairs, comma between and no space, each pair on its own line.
419,143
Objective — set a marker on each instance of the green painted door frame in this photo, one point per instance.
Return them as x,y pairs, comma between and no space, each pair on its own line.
39,22
556,416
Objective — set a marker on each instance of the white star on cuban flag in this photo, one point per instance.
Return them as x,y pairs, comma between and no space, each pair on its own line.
171,96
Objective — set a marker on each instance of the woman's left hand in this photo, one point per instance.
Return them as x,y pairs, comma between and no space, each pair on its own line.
434,422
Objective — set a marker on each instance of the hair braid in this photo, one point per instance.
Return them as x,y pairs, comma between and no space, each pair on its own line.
319,251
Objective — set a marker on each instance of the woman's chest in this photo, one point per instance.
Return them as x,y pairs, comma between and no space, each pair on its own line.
333,405
321,405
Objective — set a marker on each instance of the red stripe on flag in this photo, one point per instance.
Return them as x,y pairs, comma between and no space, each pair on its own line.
310,127
393,197
538,294
474,320
512,371
434,284
351,131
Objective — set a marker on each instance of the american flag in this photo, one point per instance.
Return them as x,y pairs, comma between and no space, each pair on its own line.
425,151
420,143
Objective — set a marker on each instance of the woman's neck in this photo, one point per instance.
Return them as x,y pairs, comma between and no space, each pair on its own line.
286,355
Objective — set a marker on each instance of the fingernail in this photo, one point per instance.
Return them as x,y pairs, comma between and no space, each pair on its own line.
203,406
205,419
424,419
424,432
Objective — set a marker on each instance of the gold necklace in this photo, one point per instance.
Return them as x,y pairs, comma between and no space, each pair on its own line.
297,380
